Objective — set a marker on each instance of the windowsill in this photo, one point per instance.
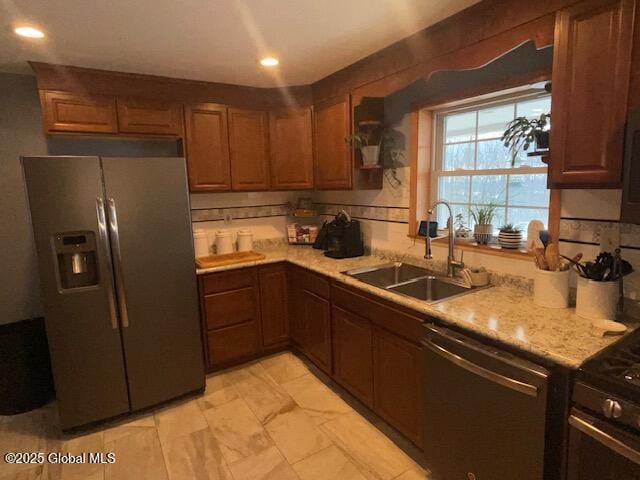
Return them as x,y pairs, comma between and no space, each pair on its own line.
492,249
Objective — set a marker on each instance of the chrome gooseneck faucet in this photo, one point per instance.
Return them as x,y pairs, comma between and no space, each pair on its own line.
452,263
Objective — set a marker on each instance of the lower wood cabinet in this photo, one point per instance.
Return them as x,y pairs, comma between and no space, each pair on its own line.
352,353
230,304
274,305
377,358
397,373
311,316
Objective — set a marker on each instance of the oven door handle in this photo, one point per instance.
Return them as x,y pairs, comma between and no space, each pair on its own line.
511,383
605,439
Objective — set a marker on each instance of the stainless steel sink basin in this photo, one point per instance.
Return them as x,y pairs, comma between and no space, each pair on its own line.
411,281
432,289
388,274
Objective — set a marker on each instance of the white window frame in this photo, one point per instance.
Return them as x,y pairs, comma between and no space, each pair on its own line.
438,150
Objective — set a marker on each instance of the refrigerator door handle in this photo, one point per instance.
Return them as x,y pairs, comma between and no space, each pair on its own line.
115,235
104,237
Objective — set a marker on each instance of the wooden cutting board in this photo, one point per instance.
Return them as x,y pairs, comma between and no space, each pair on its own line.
228,259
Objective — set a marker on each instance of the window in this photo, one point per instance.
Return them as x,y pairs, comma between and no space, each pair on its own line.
472,167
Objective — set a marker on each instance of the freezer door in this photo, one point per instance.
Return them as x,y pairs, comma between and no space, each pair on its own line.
150,226
82,326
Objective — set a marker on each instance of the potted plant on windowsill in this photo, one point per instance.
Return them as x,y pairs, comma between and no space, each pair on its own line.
522,132
510,237
483,218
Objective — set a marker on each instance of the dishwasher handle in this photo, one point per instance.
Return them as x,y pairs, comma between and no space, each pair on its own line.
508,382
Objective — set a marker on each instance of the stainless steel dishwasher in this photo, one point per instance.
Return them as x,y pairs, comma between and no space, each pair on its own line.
485,410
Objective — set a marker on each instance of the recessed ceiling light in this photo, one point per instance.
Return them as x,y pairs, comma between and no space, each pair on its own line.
29,32
269,62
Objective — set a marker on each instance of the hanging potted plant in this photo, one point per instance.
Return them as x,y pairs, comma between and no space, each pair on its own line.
510,237
365,143
522,132
483,218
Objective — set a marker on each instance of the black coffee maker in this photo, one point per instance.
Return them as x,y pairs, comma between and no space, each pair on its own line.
341,237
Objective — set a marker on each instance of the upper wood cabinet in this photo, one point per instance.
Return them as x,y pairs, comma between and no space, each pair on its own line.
70,112
249,149
591,69
207,147
291,149
146,116
333,163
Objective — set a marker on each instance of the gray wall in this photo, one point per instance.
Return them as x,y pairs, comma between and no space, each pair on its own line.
20,134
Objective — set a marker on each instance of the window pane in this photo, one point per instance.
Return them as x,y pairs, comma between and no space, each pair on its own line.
458,156
528,190
521,217
493,154
443,215
454,189
534,108
460,127
492,122
489,189
523,160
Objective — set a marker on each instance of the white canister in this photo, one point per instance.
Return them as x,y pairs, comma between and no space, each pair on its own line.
597,300
245,240
200,243
224,242
551,289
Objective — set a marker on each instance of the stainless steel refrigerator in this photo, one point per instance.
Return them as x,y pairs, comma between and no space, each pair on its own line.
117,273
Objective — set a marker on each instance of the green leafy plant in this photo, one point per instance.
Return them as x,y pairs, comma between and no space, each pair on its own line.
522,132
483,215
359,139
459,223
510,228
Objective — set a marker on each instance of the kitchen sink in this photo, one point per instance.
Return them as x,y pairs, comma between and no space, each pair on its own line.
411,281
388,274
432,289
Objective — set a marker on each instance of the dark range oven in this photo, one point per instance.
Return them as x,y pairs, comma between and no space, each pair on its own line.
604,424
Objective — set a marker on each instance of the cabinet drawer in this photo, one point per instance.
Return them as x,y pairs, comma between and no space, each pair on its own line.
232,280
229,308
390,318
233,343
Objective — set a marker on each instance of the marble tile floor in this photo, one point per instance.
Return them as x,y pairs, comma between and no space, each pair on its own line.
273,419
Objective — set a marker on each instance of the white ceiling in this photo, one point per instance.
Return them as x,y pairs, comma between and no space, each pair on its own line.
213,40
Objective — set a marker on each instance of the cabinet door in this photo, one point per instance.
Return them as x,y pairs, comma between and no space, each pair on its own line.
153,117
591,65
333,164
70,112
316,329
273,294
291,149
397,377
249,149
207,147
352,353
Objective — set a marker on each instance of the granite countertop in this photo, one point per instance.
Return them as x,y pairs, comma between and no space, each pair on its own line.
502,313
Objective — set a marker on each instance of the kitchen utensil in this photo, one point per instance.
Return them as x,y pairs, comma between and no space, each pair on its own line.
541,262
545,237
552,256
